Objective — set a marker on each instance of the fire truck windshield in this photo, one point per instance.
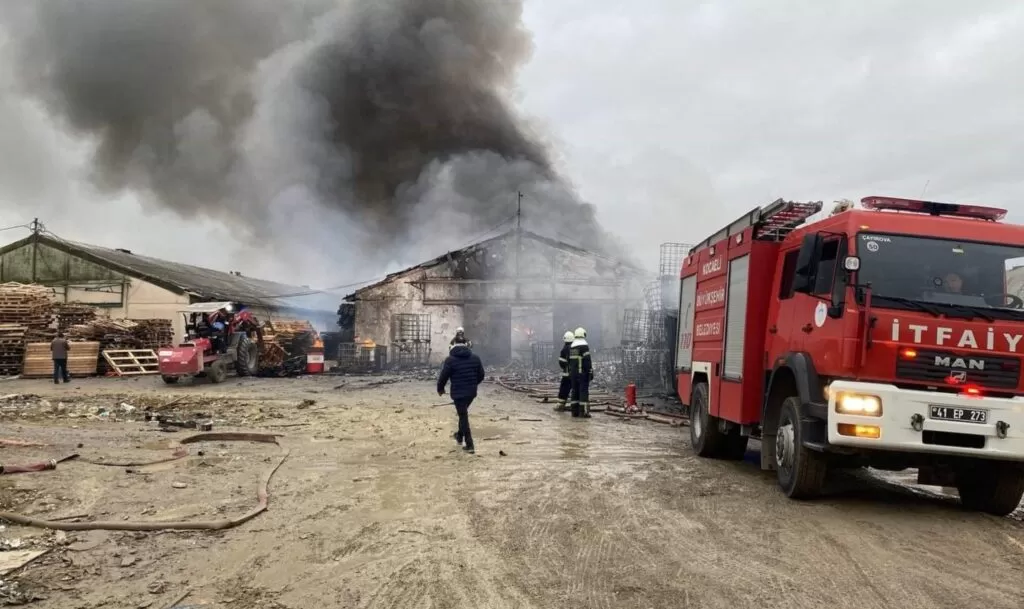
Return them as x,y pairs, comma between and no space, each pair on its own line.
909,271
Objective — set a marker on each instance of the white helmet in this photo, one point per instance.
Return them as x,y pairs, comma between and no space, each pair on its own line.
460,330
568,336
580,333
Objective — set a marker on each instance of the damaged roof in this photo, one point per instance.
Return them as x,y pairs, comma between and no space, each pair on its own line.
199,282
479,245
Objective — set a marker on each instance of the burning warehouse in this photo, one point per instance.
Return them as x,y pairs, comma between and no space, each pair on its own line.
515,295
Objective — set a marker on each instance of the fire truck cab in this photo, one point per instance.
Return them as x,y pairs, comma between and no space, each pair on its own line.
887,336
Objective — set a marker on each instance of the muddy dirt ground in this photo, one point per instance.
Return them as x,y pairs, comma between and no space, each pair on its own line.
376,507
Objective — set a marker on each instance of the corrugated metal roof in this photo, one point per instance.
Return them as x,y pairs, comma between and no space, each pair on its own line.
469,249
204,283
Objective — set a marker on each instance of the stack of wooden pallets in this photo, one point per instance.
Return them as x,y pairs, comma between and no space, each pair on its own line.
12,348
123,336
26,313
82,360
73,315
293,336
153,333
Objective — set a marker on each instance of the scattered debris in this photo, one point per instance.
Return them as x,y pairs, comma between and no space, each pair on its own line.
189,424
261,494
545,391
13,593
175,602
12,560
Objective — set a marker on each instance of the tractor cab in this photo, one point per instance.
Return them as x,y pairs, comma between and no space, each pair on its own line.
207,319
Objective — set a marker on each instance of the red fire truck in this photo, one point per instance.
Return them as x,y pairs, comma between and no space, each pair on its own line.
887,336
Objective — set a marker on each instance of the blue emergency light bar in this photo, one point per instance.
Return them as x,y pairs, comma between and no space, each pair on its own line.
992,214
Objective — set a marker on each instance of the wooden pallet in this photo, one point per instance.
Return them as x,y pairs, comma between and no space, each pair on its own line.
83,358
132,362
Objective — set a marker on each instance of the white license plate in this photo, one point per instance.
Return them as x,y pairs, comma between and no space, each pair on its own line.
958,414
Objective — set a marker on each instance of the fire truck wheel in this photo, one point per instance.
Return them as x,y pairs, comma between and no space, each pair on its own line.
217,372
705,437
991,487
246,357
801,471
170,380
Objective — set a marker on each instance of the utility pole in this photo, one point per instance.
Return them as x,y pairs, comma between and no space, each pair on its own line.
519,212
35,246
519,238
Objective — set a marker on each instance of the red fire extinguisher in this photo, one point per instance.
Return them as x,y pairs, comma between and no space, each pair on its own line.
631,394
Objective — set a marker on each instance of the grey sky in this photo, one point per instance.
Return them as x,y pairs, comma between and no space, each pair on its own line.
672,117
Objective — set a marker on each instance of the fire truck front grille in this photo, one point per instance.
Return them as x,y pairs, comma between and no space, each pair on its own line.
946,367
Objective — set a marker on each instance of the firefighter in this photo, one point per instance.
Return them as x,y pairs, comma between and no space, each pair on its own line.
460,337
581,372
953,283
563,362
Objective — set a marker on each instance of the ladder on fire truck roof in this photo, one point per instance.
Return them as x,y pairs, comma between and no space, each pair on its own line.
771,223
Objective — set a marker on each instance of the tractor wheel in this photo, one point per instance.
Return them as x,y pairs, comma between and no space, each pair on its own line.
170,380
217,372
247,357
801,471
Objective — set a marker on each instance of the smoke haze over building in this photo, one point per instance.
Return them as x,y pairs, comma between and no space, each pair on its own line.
370,132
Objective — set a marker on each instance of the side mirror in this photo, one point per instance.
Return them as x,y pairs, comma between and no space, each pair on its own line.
851,264
807,263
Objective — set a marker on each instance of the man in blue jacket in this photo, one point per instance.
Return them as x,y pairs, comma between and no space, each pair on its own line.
465,370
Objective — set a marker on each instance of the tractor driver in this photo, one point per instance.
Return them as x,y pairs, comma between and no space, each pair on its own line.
216,322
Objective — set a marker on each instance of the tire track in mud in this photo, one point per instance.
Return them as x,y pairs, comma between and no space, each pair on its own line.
399,589
709,545
542,521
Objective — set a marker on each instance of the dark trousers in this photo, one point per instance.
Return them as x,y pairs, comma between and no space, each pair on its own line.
464,434
580,394
563,390
60,370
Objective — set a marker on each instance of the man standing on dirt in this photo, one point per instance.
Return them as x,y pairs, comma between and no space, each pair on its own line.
59,348
465,370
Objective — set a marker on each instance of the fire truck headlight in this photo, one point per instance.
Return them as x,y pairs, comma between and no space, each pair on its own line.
858,404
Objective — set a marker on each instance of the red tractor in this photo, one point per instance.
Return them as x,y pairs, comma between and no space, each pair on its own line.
219,336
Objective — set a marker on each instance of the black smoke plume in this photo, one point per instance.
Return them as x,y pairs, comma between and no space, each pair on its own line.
381,130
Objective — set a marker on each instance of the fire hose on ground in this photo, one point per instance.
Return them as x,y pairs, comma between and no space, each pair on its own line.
262,496
42,466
